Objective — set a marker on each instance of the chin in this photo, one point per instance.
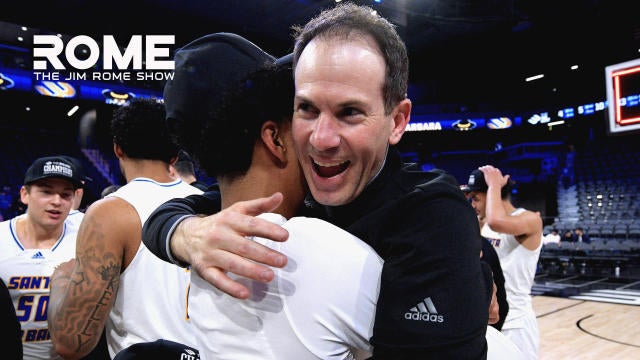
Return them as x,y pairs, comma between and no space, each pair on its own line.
324,197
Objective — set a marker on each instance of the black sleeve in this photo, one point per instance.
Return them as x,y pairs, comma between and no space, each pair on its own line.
161,223
11,341
434,297
490,257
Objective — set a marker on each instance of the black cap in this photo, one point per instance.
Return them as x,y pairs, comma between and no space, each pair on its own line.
476,182
207,68
54,166
82,173
160,349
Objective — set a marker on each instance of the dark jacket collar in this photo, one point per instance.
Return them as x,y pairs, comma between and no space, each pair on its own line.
387,185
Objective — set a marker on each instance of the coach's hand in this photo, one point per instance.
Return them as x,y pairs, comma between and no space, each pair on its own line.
217,244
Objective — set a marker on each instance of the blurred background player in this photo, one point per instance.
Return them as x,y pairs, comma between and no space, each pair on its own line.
76,214
516,235
33,244
113,271
184,168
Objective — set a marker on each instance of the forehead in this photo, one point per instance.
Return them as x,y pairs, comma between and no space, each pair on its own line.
476,195
341,59
53,182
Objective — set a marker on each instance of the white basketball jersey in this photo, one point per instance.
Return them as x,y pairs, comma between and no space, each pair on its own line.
519,267
321,305
27,273
152,294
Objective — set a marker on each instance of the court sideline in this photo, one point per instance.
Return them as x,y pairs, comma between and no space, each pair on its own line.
579,329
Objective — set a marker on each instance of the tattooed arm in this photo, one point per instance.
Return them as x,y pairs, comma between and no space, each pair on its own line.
83,291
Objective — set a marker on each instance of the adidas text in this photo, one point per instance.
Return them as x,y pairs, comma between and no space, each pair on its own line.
424,317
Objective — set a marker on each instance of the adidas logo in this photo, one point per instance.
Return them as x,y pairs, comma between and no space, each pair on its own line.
189,354
38,255
424,311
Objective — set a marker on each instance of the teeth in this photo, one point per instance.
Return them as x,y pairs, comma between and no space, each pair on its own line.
328,164
327,170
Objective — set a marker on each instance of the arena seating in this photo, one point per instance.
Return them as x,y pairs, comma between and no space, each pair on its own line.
602,199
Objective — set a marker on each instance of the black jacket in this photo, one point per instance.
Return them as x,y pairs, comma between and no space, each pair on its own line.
421,224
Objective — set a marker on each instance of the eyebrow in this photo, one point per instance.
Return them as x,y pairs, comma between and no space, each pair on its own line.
342,105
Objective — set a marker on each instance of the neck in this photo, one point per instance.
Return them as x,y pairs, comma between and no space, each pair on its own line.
36,236
256,183
156,170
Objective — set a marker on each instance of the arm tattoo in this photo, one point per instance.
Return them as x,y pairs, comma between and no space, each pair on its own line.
92,289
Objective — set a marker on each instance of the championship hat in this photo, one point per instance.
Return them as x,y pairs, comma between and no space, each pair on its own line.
81,171
476,182
54,167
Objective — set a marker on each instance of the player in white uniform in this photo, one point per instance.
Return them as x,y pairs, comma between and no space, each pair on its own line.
116,281
34,243
303,313
516,234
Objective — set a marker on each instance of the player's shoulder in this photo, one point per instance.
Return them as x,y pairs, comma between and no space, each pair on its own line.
323,237
110,209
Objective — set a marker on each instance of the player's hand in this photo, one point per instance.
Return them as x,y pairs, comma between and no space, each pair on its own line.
217,244
493,176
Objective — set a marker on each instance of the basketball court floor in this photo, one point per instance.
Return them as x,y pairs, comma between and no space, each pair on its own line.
579,329
587,317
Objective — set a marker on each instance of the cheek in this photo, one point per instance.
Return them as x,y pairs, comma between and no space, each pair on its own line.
299,134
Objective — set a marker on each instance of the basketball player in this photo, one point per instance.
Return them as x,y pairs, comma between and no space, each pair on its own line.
516,235
185,170
304,313
34,243
114,279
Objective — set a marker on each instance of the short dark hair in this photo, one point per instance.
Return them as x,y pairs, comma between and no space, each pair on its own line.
347,19
140,129
184,164
227,137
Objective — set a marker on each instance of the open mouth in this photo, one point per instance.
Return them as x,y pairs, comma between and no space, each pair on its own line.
329,170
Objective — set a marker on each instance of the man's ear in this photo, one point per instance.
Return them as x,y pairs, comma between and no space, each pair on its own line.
401,117
118,151
270,135
24,195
